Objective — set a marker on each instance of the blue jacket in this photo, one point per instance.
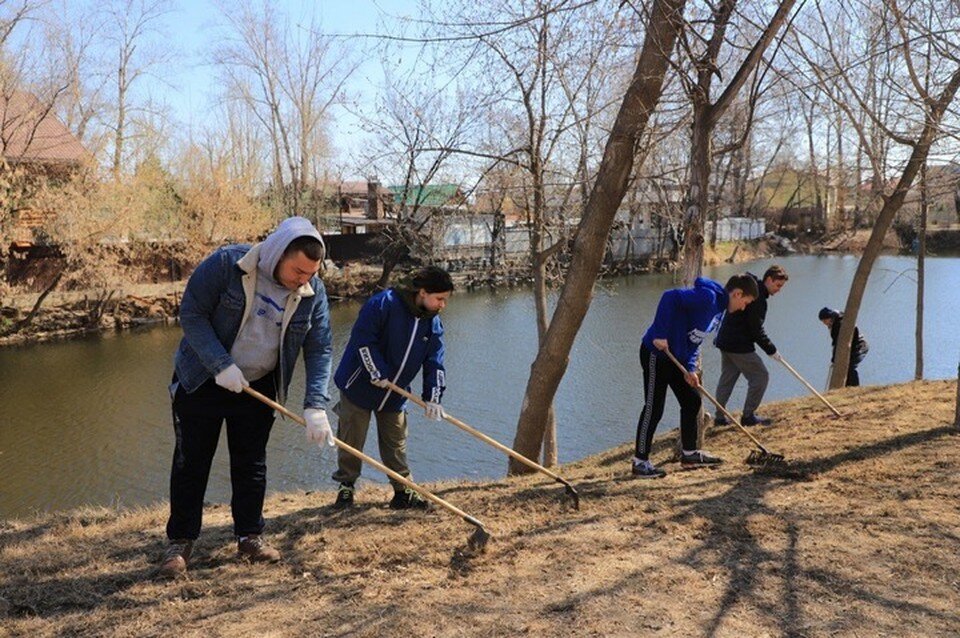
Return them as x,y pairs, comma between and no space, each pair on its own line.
684,317
389,341
216,300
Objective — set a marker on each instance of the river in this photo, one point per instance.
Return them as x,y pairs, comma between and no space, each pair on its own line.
88,421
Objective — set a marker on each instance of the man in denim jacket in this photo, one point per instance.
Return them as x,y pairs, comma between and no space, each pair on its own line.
246,313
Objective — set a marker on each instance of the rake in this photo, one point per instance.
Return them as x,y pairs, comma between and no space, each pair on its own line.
477,541
569,489
761,457
810,387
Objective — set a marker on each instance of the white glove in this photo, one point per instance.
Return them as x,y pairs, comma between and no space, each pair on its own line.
231,378
433,411
776,356
318,427
380,383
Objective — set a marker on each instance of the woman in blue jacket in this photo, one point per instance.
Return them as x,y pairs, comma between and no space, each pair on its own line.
397,333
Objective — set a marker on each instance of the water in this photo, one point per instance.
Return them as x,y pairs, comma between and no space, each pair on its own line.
88,422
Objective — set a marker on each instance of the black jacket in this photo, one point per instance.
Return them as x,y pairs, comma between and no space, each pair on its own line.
858,348
740,330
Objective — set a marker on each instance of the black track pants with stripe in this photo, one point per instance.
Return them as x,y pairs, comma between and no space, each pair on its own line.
659,373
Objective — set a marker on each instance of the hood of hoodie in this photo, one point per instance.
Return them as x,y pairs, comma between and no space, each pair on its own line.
716,292
271,248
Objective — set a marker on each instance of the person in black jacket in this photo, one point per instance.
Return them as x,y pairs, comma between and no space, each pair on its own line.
858,350
738,333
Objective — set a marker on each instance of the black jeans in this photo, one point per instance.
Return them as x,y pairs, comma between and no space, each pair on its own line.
659,373
197,418
853,376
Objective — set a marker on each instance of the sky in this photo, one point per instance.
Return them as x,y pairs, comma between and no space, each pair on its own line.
194,23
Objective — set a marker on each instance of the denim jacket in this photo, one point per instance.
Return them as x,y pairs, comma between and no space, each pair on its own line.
215,305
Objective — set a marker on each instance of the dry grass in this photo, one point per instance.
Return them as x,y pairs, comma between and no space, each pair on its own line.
867,545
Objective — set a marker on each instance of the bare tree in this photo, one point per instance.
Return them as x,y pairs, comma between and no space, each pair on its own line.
415,127
918,123
706,63
73,33
131,25
639,102
289,75
544,72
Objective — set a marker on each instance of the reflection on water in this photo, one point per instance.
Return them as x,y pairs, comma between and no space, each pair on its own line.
89,421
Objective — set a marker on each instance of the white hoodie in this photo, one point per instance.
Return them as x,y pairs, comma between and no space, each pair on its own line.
257,346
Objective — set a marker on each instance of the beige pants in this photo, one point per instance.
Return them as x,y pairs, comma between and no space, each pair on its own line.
354,422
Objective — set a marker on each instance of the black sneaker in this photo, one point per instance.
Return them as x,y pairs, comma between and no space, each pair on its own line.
344,497
647,470
753,419
720,419
407,499
698,459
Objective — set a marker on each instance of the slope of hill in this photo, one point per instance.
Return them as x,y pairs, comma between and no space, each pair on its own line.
860,538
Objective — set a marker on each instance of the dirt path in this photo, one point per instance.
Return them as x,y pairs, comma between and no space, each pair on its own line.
866,545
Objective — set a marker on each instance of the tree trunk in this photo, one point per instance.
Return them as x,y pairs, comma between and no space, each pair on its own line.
918,157
921,258
639,102
956,414
696,204
121,122
840,217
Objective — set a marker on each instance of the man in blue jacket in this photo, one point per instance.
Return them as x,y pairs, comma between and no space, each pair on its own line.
683,319
735,338
246,313
397,333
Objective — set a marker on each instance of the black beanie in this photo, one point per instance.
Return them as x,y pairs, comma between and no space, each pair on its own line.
828,313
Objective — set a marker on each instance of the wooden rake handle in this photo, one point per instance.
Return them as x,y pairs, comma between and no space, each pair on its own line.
377,464
483,437
729,416
809,387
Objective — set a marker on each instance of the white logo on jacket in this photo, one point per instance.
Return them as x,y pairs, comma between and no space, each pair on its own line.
368,363
697,336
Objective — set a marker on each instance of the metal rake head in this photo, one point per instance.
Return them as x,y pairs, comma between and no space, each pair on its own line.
574,496
478,540
763,458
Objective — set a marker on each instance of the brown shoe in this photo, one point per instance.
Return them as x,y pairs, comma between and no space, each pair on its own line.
255,550
175,558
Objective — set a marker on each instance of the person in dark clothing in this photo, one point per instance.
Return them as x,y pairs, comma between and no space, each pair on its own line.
738,333
832,319
684,317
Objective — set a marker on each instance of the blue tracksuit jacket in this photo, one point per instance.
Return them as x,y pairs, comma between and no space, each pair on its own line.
684,317
389,341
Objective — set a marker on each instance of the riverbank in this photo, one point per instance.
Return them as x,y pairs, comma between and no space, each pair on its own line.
860,538
65,315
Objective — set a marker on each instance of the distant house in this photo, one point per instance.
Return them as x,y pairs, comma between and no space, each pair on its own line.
31,135
943,197
431,197
647,221
364,206
457,231
33,138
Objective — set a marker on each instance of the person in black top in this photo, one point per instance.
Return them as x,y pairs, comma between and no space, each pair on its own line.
858,350
738,333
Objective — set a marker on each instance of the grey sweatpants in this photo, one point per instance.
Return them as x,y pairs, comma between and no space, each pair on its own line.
750,365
